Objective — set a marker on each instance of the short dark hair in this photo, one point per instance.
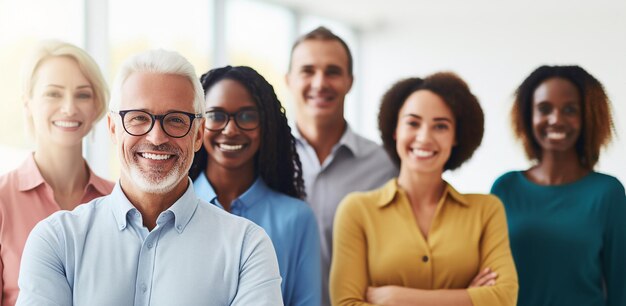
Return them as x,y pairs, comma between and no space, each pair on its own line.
277,160
322,33
456,94
597,124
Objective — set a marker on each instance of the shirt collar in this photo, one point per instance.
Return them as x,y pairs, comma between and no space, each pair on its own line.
120,206
348,140
390,190
454,194
29,177
99,184
205,190
182,209
256,192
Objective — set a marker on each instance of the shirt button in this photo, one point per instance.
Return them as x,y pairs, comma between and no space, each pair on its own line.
149,245
425,258
143,287
179,227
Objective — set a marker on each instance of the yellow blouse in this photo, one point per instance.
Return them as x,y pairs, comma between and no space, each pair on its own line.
377,242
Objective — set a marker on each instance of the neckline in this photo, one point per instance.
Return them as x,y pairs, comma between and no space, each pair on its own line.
527,181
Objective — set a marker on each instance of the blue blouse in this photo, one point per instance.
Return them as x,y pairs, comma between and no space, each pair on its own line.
568,241
291,225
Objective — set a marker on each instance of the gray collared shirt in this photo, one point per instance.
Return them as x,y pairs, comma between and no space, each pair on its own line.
354,164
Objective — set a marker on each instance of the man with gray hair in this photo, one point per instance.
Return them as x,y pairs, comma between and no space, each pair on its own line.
152,241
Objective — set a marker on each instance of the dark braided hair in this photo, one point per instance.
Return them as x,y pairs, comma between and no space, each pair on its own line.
277,161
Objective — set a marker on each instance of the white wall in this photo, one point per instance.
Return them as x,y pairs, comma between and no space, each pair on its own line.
494,50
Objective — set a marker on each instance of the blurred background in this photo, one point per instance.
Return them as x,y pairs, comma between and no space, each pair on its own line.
493,45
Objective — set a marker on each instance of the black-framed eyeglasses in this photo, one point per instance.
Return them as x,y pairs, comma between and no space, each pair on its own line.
245,119
175,124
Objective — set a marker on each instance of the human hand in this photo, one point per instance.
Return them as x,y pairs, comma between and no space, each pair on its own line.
385,295
484,278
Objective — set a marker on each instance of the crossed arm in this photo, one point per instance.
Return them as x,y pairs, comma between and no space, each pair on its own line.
397,295
350,276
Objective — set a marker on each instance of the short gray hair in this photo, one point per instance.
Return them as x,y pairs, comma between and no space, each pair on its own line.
162,62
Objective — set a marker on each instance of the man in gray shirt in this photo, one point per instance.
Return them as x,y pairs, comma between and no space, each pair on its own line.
335,160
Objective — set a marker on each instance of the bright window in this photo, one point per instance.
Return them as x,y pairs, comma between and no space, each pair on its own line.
140,25
22,25
260,35
251,33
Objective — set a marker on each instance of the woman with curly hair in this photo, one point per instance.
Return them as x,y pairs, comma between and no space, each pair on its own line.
567,222
250,167
416,240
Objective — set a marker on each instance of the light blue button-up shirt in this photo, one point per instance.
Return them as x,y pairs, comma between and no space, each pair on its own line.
291,225
101,254
354,164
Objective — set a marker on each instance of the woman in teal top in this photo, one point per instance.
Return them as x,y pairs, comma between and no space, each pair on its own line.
249,167
567,223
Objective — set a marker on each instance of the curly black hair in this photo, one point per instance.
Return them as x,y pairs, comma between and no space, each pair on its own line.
277,160
597,124
456,94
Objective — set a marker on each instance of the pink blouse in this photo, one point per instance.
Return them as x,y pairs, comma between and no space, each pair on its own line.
25,199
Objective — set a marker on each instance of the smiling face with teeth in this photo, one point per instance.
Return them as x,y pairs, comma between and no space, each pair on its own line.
62,105
556,115
319,80
155,163
425,133
231,148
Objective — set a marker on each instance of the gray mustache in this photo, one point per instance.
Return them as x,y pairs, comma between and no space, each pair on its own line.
164,148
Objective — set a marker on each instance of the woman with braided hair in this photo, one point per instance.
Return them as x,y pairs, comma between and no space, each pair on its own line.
249,166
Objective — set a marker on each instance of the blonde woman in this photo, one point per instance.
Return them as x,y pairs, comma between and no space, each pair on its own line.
64,95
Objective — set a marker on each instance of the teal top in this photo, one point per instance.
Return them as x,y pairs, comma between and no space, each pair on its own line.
568,241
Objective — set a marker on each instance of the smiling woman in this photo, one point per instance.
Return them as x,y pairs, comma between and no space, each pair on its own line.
250,167
400,244
23,24
556,116
562,115
64,94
